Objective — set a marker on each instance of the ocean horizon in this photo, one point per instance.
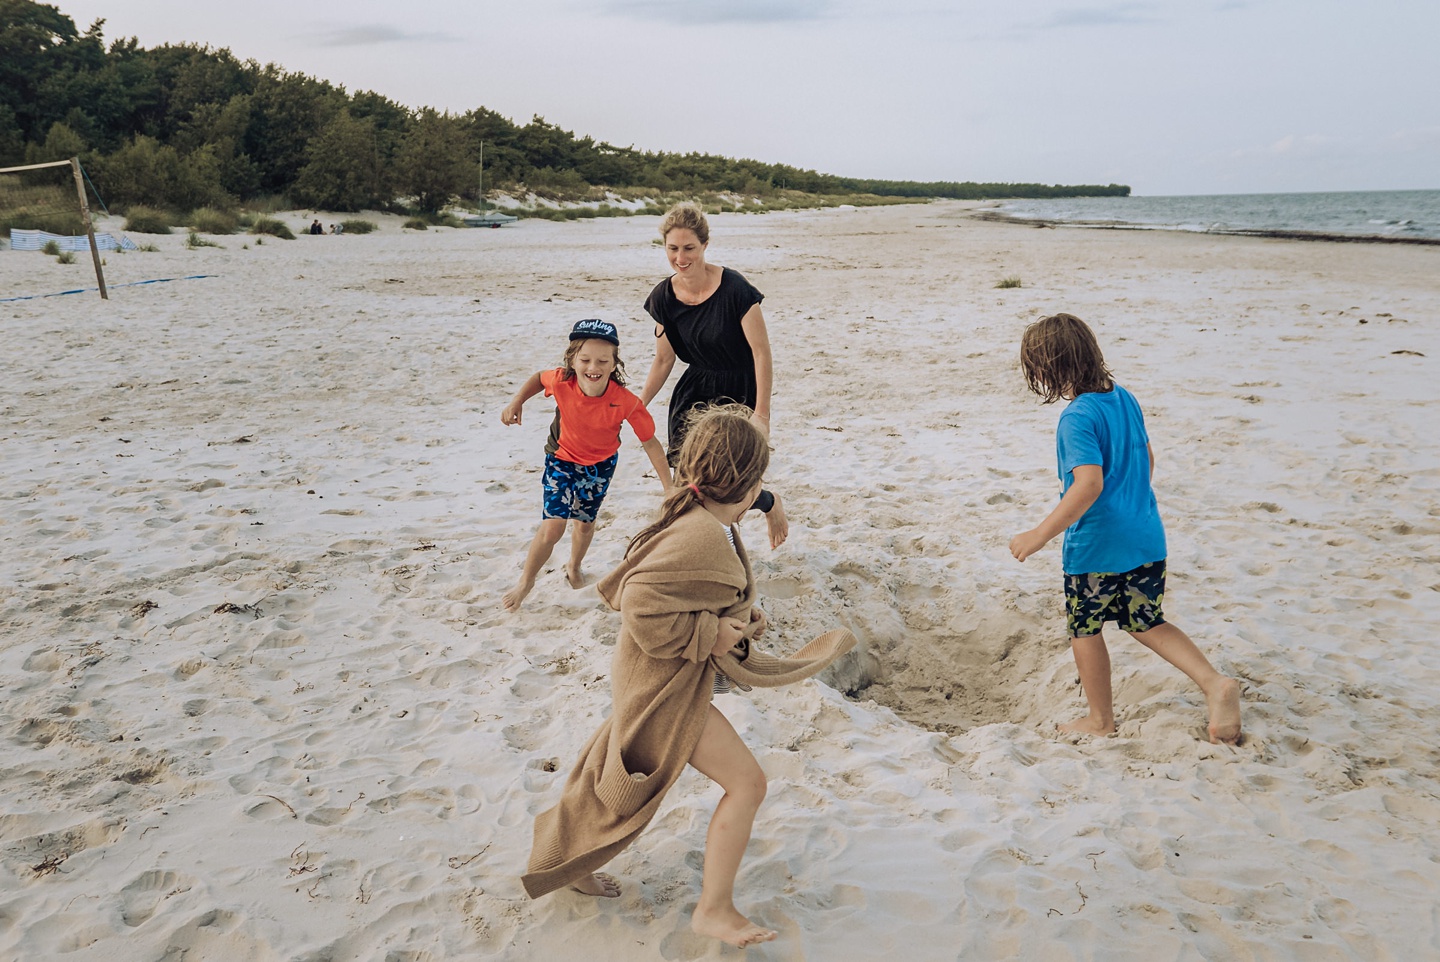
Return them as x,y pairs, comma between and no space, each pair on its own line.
1391,215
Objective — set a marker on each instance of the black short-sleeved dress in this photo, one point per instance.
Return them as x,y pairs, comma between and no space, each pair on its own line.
709,339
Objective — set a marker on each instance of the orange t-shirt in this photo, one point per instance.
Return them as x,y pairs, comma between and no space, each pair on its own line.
590,426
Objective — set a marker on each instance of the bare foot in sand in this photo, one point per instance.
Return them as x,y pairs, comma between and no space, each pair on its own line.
1223,701
775,524
513,597
575,578
1087,726
600,885
731,927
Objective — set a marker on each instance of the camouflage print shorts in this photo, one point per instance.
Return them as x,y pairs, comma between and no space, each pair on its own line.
1131,599
576,490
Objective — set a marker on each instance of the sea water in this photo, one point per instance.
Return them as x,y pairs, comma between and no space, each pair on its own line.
1398,214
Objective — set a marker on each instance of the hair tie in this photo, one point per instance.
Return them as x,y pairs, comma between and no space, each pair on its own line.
696,491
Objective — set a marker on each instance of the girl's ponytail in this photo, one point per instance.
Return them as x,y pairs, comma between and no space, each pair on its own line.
723,458
677,502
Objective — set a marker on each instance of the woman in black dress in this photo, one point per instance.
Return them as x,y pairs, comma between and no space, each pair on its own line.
709,317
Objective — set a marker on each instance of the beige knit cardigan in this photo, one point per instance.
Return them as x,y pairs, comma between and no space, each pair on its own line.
671,594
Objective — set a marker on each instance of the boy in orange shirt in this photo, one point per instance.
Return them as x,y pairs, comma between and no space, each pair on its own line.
590,395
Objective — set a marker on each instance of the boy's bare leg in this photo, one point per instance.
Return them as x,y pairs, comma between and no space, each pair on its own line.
1222,693
600,885
581,534
549,534
1092,660
723,757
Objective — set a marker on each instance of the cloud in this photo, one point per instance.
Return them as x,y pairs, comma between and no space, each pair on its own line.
1111,15
1414,138
1287,147
1117,13
370,34
721,11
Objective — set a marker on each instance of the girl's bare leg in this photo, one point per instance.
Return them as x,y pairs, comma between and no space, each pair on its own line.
1092,661
723,757
1222,693
551,530
581,534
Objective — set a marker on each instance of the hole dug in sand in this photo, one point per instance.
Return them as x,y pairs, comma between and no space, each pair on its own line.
942,657
1000,671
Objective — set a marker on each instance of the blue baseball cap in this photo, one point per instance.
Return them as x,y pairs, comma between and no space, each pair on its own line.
596,328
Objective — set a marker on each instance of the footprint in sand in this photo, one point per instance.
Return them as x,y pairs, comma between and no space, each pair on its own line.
187,669
41,854
45,659
531,686
265,772
141,898
540,774
522,737
438,802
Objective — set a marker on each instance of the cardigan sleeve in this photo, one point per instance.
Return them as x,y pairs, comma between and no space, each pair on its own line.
649,612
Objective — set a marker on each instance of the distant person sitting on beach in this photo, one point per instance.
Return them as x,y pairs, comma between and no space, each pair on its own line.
685,592
315,227
592,403
709,317
1114,549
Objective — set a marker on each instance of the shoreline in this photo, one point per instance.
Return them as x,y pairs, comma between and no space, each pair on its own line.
1000,217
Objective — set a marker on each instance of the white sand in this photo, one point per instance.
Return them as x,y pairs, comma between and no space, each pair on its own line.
261,702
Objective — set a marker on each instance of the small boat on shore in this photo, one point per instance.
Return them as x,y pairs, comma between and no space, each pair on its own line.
487,218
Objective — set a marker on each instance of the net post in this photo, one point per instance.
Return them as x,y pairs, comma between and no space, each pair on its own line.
89,226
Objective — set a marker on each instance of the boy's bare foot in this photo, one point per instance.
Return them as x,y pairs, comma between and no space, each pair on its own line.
731,927
513,597
1223,702
575,578
600,885
1087,726
776,525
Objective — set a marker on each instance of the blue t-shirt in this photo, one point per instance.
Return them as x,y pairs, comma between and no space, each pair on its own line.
1122,530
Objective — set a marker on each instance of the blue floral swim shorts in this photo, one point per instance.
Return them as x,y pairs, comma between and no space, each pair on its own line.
576,490
1131,599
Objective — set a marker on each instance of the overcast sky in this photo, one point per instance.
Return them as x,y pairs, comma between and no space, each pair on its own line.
1169,96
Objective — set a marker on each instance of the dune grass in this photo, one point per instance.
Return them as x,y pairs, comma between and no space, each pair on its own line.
140,219
272,227
209,220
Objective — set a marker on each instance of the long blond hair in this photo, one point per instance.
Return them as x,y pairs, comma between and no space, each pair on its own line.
724,456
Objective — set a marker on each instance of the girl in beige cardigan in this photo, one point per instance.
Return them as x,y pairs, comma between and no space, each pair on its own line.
685,595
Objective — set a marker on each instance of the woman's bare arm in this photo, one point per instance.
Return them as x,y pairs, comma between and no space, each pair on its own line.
753,324
660,369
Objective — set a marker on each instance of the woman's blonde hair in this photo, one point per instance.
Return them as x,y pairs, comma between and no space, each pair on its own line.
1062,359
617,375
724,456
687,217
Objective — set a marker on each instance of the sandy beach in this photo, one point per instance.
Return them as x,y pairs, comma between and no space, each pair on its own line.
262,702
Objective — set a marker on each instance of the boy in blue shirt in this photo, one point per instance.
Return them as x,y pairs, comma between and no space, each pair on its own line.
1114,548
